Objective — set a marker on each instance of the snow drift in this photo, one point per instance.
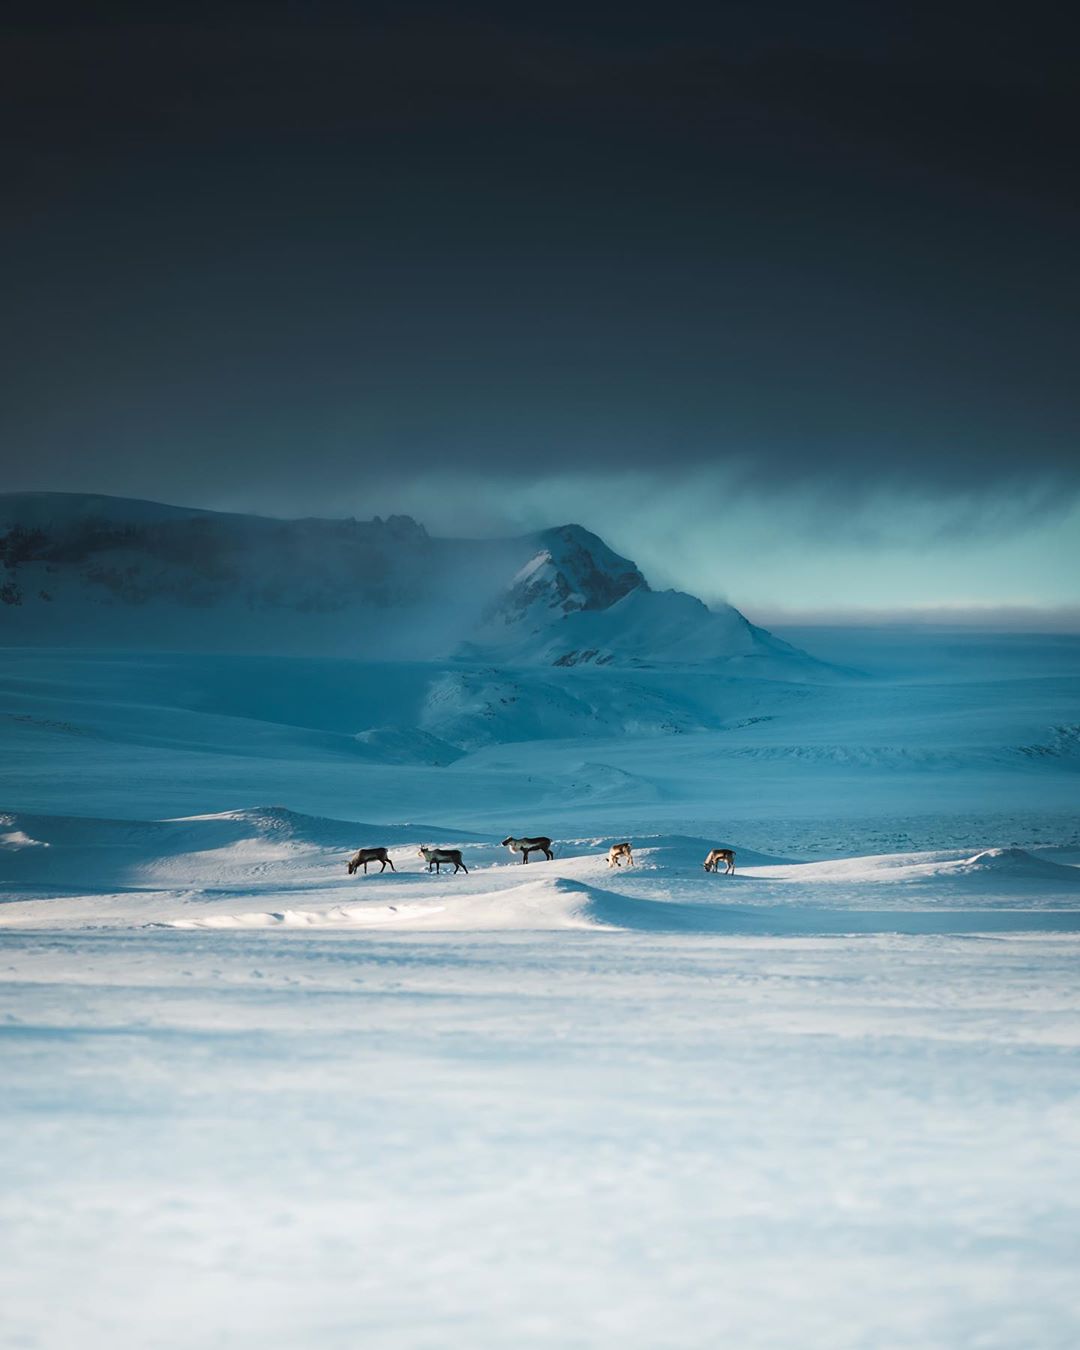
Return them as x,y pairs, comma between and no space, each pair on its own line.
268,867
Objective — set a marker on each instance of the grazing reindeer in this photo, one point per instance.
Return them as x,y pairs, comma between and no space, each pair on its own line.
541,844
365,855
435,856
718,856
616,854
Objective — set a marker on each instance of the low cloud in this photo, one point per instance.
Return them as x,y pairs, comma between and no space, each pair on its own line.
985,617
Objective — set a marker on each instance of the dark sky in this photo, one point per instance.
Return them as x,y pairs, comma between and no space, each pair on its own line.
289,256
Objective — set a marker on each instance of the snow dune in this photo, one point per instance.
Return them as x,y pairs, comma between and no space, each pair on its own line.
270,867
991,867
558,903
533,906
226,847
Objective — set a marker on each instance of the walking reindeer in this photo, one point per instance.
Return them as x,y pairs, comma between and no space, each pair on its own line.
540,844
365,855
435,857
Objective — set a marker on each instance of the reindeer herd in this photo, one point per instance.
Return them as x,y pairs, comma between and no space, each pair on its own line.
619,855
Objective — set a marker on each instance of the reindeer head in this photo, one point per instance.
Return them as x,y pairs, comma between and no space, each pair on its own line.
351,866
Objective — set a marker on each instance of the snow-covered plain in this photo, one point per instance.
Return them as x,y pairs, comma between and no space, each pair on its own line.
831,1101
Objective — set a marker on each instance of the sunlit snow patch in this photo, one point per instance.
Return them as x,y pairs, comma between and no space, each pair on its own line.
19,839
553,903
1017,862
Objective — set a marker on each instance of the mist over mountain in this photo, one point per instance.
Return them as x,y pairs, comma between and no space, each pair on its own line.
102,571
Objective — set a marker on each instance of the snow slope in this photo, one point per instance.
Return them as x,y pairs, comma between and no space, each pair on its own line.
154,735
643,628
575,602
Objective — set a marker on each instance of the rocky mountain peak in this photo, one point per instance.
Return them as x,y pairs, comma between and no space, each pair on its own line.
571,570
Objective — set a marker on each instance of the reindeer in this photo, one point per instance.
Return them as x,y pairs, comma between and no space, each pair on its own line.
435,856
617,852
718,856
365,855
541,844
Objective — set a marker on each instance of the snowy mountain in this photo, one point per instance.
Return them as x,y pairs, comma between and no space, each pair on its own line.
81,570
130,553
571,570
101,571
577,602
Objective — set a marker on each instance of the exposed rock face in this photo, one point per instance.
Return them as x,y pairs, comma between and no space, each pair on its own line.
571,570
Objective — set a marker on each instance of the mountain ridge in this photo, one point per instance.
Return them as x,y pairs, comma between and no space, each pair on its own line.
87,569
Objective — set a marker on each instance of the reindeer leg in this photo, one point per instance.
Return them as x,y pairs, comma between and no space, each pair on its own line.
391,862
